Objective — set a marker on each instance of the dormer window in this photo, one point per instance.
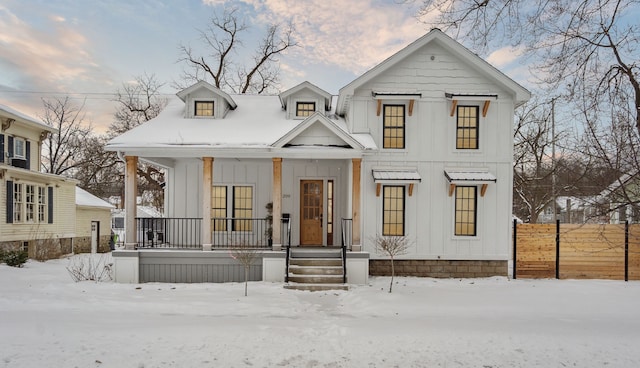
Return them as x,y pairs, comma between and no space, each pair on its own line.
203,108
304,109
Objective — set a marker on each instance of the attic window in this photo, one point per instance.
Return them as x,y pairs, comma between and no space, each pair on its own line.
203,108
304,109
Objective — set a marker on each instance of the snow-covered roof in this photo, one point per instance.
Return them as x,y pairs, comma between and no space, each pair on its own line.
395,176
257,124
25,119
86,199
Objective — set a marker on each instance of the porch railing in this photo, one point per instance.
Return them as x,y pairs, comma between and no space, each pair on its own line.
167,232
247,232
285,232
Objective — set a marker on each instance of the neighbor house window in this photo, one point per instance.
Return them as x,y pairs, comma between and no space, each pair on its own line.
242,208
467,127
204,108
30,202
17,202
393,211
466,214
219,207
305,108
393,126
19,148
42,204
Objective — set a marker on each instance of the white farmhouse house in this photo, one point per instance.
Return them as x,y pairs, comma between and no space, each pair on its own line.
419,146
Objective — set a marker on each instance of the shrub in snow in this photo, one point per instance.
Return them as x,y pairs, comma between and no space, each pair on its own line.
14,258
391,246
246,256
90,267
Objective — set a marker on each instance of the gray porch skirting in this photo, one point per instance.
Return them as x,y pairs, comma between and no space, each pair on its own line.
194,266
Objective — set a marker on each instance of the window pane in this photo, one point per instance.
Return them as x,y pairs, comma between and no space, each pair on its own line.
465,211
204,108
17,202
305,108
242,208
393,126
467,127
393,210
219,207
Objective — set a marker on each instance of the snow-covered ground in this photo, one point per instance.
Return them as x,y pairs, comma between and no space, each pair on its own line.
47,320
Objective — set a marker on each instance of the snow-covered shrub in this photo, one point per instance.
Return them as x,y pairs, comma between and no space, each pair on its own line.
15,258
90,267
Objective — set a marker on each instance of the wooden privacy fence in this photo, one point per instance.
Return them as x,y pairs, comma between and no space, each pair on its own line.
570,251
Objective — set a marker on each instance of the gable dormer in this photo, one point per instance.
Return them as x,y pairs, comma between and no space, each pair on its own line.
304,100
202,100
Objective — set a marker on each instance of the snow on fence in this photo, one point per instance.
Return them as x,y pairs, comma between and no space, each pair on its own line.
570,251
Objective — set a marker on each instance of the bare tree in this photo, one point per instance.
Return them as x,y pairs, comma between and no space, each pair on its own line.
222,38
391,246
588,47
138,103
63,150
246,256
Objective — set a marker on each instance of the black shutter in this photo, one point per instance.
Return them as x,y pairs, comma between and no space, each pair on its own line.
10,148
50,205
9,202
28,155
1,147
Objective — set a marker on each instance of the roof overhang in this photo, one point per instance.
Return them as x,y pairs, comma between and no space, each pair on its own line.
469,177
397,177
486,97
386,95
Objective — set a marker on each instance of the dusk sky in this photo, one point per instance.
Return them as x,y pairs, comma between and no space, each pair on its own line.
88,49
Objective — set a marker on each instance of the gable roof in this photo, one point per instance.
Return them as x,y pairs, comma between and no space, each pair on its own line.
10,113
435,35
318,118
86,199
205,85
306,85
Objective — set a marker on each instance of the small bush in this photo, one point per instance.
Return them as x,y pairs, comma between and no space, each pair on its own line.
88,268
15,258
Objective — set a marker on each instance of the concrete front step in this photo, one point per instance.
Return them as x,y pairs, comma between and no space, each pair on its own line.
315,287
316,252
316,279
315,262
316,270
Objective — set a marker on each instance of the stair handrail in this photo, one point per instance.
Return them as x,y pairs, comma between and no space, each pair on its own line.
347,223
286,222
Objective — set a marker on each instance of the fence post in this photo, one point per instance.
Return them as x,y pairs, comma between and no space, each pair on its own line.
515,247
626,250
558,249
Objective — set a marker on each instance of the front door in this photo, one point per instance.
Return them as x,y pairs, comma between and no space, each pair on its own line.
311,212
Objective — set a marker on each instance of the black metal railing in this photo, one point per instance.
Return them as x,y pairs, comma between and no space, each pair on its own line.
285,234
247,232
347,240
166,232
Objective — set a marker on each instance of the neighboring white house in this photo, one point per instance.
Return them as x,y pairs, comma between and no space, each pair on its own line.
93,221
419,146
38,209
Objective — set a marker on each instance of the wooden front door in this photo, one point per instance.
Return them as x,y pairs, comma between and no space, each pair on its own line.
311,212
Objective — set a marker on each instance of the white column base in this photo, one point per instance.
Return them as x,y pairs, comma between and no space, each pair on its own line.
273,269
130,246
126,267
206,247
276,247
356,248
358,271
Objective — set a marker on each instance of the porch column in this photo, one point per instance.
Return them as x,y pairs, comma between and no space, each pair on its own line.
277,202
355,203
130,195
207,185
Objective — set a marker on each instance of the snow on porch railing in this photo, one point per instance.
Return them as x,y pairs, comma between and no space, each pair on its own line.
167,232
250,232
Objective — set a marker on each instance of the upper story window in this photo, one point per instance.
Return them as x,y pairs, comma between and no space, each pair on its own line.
393,126
467,124
19,148
203,108
304,109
